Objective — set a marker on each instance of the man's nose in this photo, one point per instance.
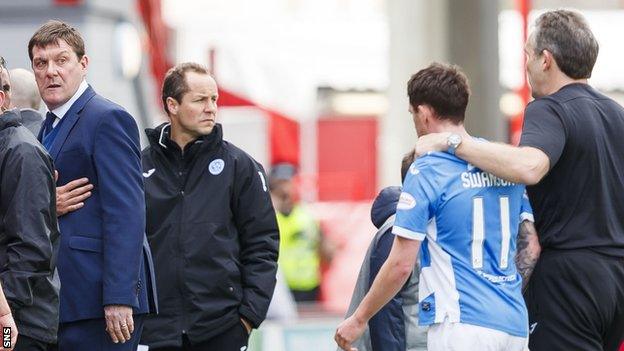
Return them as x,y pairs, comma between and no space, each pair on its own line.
211,106
52,69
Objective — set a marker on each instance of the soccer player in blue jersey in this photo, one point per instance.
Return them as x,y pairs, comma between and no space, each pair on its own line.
463,223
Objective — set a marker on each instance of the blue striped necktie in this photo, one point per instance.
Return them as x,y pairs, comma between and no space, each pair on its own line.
48,124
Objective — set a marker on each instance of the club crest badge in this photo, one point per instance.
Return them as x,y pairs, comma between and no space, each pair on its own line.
406,201
216,166
413,169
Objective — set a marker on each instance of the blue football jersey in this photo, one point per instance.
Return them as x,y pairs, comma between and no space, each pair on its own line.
468,221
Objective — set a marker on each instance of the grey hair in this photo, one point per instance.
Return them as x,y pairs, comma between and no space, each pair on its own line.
567,36
24,91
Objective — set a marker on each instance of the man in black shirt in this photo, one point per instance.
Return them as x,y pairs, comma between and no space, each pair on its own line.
572,156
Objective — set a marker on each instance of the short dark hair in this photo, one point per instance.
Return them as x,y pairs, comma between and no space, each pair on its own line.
444,88
175,85
567,36
53,31
406,162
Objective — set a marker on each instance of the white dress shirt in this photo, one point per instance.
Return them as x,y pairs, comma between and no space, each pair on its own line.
60,111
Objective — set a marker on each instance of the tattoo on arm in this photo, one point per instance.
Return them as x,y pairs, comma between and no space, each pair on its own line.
528,251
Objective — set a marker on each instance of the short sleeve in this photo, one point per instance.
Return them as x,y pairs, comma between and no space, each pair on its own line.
415,207
526,212
543,129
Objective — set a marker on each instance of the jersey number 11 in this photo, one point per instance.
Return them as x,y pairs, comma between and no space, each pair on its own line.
478,232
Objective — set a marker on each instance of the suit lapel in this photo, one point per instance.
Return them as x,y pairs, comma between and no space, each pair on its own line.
69,120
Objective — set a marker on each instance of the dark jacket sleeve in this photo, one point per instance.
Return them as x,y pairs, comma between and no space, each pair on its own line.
259,239
29,222
117,159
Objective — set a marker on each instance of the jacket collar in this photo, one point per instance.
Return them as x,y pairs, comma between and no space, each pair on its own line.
10,118
70,119
75,108
62,110
159,138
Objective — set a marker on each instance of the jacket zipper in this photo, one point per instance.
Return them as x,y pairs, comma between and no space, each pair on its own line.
181,260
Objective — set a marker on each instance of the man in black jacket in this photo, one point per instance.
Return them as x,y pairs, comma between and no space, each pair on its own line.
28,217
210,224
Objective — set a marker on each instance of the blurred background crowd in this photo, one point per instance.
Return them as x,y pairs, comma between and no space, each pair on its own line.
315,91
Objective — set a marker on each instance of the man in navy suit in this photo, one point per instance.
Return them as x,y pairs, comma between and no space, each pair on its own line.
103,260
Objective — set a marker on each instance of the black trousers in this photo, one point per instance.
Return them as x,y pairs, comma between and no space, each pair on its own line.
575,300
233,339
25,343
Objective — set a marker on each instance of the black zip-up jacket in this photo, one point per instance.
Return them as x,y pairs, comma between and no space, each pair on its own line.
28,225
213,234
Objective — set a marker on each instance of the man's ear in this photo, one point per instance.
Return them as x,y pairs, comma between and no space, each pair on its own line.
547,60
2,97
172,105
84,62
426,112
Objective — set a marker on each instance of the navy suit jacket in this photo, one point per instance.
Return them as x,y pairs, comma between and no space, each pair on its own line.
103,257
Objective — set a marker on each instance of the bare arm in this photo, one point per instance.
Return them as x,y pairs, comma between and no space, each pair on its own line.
4,304
528,252
6,320
391,277
526,165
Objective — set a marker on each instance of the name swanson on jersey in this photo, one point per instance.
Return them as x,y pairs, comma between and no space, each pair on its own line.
482,180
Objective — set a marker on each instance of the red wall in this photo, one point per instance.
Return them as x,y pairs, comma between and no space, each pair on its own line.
347,158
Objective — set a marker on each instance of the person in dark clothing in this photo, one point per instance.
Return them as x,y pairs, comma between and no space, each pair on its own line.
395,326
571,155
29,224
210,224
102,252
387,327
